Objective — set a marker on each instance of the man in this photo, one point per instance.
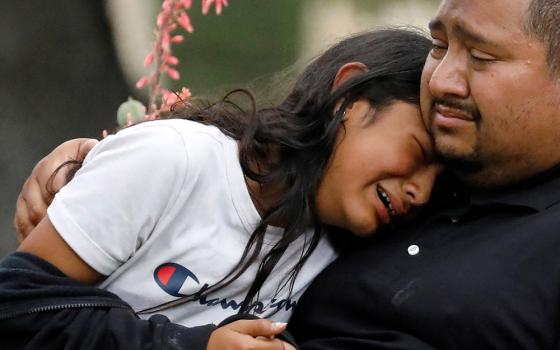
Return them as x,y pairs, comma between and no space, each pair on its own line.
480,270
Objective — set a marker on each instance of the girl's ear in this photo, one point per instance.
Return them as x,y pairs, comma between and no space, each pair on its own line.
346,72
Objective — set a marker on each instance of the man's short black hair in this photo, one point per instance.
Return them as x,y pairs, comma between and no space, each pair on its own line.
543,22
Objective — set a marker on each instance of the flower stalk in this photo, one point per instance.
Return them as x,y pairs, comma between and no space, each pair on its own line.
173,16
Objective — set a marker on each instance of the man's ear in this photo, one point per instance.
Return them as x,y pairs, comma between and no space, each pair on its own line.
346,72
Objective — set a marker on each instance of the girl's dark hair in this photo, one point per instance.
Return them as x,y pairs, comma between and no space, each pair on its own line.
301,131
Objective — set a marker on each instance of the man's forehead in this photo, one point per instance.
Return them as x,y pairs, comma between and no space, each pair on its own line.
506,12
463,30
482,21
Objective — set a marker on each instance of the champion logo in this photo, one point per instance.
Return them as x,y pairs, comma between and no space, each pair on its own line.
175,279
178,281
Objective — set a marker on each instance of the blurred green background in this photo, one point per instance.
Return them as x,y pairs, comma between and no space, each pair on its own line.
65,66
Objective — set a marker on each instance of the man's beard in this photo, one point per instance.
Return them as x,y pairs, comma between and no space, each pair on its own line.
467,165
464,165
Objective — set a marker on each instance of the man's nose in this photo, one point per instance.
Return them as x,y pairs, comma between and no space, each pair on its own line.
448,78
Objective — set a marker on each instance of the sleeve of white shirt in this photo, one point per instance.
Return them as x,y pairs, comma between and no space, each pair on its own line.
127,183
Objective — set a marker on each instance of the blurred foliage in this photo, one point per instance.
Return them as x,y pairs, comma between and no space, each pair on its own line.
372,5
250,39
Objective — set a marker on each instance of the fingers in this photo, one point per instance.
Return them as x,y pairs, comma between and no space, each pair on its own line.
225,338
73,150
38,190
247,334
52,178
36,201
31,208
288,346
258,328
260,343
85,146
268,344
22,221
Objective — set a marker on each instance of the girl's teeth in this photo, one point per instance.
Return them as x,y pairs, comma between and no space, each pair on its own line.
386,197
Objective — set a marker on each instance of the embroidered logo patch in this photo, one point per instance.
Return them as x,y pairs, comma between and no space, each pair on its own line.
175,279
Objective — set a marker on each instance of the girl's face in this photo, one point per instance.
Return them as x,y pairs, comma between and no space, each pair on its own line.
382,166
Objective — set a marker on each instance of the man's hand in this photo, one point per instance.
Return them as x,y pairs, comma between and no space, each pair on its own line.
248,334
39,189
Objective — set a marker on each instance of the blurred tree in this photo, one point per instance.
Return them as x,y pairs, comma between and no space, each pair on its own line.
250,39
59,79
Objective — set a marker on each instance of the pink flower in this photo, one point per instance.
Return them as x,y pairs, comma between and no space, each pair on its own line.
185,22
171,100
173,73
162,18
168,100
165,41
171,27
176,39
142,82
149,59
166,5
218,3
185,93
172,60
161,60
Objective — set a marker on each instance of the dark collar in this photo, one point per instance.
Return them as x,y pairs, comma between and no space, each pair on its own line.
539,192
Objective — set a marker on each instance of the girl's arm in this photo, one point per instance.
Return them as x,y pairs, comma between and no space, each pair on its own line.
42,308
45,242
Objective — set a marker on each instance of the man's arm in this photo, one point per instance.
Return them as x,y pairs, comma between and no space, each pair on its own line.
39,188
47,178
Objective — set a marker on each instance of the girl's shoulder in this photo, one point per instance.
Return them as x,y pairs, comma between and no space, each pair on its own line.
175,138
204,147
183,127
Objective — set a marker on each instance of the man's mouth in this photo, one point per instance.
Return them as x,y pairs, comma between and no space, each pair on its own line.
450,112
386,200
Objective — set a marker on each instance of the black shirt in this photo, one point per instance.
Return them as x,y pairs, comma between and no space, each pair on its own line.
477,273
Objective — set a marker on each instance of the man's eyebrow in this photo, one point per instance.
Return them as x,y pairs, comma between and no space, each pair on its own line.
471,35
462,31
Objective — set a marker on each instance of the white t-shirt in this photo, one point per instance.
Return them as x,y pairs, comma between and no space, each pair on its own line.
162,209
